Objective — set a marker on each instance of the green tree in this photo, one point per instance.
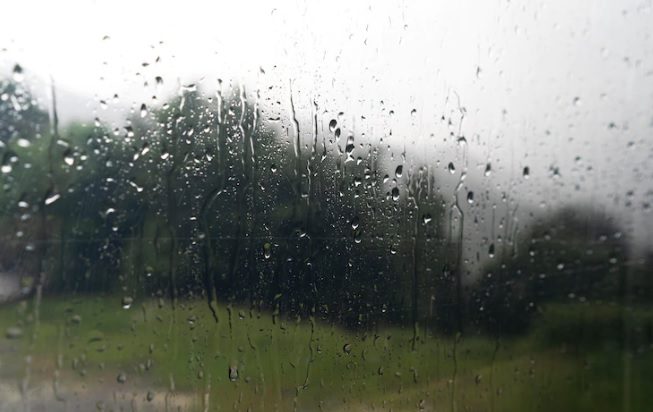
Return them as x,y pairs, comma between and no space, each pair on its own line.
575,254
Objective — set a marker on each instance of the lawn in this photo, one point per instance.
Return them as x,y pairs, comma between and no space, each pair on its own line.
82,350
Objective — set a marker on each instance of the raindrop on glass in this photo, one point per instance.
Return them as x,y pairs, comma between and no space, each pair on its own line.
50,199
233,373
18,73
355,223
267,250
68,158
395,194
22,142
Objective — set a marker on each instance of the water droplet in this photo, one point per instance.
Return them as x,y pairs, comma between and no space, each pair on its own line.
68,157
488,169
22,142
127,302
267,250
399,171
332,125
395,194
50,199
355,222
346,348
413,112
426,218
233,373
6,168
273,168
526,172
470,197
159,80
490,251
451,168
149,396
122,377
138,188
18,73
143,110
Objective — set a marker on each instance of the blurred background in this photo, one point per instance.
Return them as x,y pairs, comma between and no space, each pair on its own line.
339,206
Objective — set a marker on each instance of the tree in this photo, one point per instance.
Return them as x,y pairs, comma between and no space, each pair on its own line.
574,254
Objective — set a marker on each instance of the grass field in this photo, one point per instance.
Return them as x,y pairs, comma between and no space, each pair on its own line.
80,351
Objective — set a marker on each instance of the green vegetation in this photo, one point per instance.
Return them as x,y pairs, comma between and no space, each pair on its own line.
286,363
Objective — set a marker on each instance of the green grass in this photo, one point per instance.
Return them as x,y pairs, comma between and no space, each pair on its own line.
572,360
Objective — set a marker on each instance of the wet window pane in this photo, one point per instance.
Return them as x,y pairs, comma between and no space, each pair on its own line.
339,206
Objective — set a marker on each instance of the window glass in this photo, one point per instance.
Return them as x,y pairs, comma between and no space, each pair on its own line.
334,206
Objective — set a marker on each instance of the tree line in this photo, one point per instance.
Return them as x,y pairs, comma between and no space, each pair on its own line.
204,198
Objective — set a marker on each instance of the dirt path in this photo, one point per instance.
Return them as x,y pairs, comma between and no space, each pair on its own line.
41,397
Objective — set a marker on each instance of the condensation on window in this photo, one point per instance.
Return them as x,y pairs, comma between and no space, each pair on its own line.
338,206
